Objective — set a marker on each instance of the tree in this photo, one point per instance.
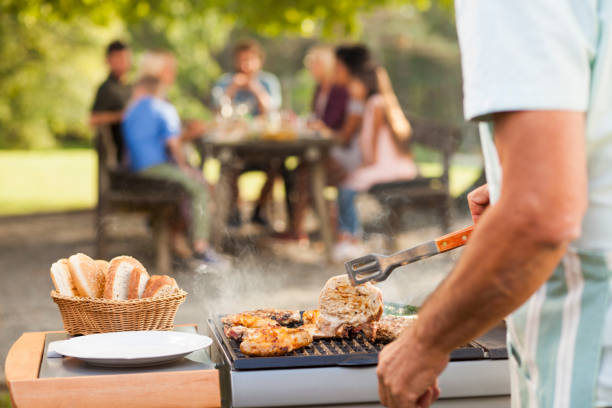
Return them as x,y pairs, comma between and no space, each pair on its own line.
51,51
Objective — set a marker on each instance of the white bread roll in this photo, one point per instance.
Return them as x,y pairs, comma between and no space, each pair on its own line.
87,277
121,271
62,280
160,285
103,265
138,283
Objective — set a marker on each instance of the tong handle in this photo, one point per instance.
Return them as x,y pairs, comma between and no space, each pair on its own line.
454,239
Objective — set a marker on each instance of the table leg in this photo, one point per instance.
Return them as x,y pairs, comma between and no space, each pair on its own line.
318,186
223,192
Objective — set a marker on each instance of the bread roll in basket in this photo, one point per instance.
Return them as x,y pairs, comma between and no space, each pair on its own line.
98,297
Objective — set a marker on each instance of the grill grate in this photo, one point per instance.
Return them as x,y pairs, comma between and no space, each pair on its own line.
354,351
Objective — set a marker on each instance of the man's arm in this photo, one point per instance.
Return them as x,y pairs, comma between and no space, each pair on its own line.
514,248
175,146
519,241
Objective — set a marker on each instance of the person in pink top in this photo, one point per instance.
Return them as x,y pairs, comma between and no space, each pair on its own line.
383,132
384,158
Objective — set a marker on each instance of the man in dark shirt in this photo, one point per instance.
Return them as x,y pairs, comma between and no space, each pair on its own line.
113,94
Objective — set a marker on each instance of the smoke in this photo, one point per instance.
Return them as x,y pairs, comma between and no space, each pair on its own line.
254,281
412,284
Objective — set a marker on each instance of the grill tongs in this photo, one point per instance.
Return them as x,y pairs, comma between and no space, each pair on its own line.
375,267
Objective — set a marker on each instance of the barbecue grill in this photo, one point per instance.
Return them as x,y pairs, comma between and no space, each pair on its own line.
342,372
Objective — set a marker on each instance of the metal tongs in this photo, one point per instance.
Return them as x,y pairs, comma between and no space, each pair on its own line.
375,267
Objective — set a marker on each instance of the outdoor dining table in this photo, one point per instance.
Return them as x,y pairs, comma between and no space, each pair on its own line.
233,153
36,380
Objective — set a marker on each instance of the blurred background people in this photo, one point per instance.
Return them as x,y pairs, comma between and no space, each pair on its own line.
248,85
328,115
330,98
346,99
249,90
384,155
113,94
154,140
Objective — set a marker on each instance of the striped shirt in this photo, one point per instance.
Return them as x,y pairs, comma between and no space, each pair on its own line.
552,55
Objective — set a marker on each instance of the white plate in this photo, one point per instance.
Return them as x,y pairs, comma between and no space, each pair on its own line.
132,348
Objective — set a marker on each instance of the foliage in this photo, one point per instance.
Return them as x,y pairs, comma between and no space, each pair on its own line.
46,71
51,51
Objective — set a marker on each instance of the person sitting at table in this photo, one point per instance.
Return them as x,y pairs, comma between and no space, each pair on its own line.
329,111
260,93
154,140
384,132
330,99
345,157
113,94
248,85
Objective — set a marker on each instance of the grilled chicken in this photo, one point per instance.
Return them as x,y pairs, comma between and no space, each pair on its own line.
236,332
248,320
283,317
274,341
311,316
343,307
388,328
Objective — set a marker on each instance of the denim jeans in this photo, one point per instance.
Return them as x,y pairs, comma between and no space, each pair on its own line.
347,211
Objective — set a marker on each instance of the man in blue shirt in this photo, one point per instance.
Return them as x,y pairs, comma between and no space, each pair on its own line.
259,92
154,140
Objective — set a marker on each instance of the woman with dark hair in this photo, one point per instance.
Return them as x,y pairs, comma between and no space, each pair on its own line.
384,157
340,113
330,99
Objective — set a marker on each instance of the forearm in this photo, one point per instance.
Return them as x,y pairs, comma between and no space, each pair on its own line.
348,130
517,242
103,118
176,150
262,97
503,265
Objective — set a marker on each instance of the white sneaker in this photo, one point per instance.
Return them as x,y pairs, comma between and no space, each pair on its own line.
345,251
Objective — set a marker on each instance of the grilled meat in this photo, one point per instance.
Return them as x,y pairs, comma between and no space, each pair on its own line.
248,320
388,328
274,341
235,332
283,317
344,308
311,316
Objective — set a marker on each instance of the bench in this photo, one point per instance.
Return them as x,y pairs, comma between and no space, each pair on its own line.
433,193
120,190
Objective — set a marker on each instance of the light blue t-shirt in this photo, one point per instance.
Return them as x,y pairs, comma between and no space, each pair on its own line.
243,96
147,127
522,55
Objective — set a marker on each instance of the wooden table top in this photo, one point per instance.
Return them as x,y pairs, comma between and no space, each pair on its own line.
254,146
194,388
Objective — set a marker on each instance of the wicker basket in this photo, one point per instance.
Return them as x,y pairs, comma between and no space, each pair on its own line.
86,315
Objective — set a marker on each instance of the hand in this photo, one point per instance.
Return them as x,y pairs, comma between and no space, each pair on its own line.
478,201
240,80
408,373
196,128
316,124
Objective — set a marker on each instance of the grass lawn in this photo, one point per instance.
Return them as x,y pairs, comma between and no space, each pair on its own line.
60,180
5,400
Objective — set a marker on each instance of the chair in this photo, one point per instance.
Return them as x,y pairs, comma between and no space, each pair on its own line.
422,192
120,190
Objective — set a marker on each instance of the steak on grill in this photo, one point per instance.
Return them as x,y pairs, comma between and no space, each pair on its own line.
388,328
283,317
